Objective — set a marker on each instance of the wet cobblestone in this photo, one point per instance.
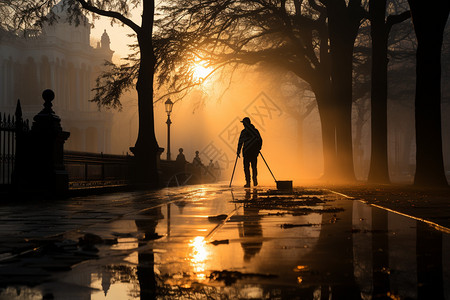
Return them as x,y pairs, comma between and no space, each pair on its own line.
214,242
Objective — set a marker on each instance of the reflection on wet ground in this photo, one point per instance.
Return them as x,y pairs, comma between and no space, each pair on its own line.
213,242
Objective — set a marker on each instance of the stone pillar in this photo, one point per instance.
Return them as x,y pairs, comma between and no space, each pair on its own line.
77,92
53,75
44,170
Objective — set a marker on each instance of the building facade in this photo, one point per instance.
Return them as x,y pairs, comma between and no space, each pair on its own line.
58,57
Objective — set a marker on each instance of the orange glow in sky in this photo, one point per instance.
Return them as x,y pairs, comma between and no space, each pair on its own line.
201,71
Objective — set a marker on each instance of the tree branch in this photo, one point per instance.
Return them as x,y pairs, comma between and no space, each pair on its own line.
396,19
112,14
321,9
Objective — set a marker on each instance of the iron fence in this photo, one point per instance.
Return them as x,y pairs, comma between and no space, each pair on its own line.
10,126
93,169
7,148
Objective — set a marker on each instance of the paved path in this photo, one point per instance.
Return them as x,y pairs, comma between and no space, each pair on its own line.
431,204
215,242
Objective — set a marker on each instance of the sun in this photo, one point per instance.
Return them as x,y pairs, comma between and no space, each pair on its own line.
201,71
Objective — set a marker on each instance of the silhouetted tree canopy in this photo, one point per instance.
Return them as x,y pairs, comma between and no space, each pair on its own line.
312,39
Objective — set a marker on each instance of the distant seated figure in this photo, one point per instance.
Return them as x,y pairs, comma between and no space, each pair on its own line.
197,161
211,165
181,159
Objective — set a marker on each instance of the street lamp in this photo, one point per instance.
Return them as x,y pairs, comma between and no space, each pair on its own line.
169,105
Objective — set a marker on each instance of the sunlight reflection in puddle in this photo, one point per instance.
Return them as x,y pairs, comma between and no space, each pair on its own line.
198,256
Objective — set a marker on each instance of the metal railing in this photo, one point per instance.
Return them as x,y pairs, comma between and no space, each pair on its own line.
94,169
7,148
10,126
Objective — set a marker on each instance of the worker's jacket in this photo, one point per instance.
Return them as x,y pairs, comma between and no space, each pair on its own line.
250,140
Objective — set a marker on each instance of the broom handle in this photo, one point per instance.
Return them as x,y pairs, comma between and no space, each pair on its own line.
232,175
267,166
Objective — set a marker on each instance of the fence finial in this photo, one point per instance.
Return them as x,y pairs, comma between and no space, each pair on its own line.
48,96
18,113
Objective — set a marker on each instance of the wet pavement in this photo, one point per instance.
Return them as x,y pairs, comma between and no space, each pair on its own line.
213,242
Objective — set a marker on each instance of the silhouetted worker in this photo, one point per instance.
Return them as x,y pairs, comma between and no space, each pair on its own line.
251,142
181,160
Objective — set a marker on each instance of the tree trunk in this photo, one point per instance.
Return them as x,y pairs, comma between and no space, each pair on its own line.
379,172
342,94
429,23
146,148
342,27
327,121
358,150
328,112
321,89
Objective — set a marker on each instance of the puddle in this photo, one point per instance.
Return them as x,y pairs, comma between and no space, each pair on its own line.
253,245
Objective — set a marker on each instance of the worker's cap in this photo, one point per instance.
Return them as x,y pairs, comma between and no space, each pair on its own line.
246,120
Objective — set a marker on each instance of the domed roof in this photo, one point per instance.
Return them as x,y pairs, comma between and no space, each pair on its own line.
105,41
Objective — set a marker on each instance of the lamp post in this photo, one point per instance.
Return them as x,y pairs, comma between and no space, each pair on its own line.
169,105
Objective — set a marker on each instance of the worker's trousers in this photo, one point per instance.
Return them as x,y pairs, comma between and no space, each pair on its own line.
250,160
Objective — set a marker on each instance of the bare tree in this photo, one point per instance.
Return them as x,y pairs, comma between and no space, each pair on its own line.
138,71
429,24
380,29
344,19
313,39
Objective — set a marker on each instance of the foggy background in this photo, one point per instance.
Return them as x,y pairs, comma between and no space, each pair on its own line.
279,104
